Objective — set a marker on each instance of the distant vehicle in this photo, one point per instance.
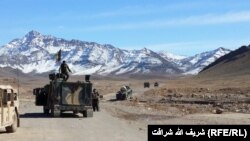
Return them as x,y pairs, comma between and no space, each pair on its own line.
59,96
156,84
146,85
9,108
124,93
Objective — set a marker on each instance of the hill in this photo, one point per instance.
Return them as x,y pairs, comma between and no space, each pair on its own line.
235,63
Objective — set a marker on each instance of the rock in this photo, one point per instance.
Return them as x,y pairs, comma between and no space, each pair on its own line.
218,111
174,95
170,91
218,105
244,111
237,110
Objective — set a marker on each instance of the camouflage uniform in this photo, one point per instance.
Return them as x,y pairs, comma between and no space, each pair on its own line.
95,100
64,68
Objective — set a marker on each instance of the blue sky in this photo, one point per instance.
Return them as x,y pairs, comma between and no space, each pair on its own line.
177,26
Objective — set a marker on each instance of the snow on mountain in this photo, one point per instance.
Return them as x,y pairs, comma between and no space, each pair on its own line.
194,64
171,57
36,53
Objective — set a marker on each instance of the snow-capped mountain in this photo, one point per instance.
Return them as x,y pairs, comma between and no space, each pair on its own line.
194,64
35,53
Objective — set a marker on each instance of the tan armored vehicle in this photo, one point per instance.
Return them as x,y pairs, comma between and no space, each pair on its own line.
9,104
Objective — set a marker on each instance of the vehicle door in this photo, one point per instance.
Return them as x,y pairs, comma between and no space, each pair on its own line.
6,110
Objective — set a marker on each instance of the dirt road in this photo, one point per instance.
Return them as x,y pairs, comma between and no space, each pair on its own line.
37,127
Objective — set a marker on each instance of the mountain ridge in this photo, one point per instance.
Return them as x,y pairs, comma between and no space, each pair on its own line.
35,50
233,63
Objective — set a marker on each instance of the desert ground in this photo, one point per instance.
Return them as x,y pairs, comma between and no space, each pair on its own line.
177,100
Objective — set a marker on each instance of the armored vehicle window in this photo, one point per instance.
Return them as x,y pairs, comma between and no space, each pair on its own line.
9,96
127,87
15,96
123,89
5,98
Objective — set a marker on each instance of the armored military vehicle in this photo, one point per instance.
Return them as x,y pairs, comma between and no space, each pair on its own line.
59,96
146,85
124,93
156,84
9,106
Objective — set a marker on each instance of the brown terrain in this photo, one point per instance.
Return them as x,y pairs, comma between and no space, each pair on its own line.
218,95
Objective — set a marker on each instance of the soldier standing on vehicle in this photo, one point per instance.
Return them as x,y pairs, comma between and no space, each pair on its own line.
64,69
95,100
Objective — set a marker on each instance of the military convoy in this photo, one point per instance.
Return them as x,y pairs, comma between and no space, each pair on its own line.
147,84
60,96
124,93
9,108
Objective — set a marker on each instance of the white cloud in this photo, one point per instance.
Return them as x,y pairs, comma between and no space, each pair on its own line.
147,9
207,19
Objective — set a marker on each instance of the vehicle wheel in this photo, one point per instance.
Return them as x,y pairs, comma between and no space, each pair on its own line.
45,111
75,112
124,97
55,113
13,127
117,97
88,113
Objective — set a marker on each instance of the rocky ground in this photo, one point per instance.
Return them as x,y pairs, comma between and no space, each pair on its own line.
162,106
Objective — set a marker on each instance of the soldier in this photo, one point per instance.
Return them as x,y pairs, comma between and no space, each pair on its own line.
64,68
95,100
